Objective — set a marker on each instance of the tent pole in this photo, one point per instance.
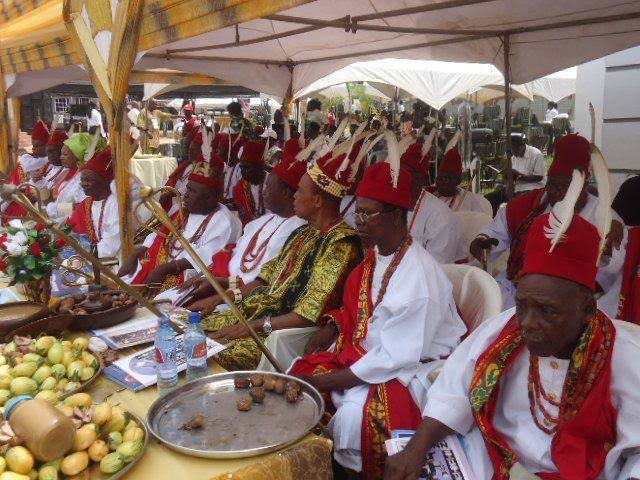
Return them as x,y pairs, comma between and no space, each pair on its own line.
110,77
14,115
5,154
506,46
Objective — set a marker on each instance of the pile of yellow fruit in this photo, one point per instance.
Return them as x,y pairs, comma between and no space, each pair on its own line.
45,368
107,437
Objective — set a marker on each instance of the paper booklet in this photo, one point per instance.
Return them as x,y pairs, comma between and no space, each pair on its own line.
447,460
138,371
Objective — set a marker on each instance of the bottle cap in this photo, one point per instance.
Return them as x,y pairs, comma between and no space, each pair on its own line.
194,317
11,404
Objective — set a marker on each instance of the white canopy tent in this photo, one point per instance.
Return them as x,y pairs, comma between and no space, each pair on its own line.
343,91
285,53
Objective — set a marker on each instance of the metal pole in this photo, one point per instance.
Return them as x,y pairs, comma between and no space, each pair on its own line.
506,42
146,193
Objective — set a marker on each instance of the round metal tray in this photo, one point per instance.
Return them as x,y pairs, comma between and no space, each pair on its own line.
227,432
94,469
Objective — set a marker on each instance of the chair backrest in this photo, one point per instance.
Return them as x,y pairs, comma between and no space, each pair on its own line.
476,293
473,222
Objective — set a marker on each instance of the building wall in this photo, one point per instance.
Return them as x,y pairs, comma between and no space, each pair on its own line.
614,84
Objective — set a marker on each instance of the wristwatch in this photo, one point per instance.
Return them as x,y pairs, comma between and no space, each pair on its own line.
266,326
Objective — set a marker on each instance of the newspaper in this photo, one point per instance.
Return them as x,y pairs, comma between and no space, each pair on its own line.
447,460
138,371
139,330
7,295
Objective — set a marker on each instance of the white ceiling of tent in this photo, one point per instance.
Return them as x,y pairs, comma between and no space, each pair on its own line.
308,42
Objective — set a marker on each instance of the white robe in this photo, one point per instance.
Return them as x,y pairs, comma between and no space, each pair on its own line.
531,163
223,228
109,235
284,229
466,201
438,230
415,321
349,215
29,163
448,402
70,193
499,230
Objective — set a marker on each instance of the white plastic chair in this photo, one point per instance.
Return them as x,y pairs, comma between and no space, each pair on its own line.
286,345
476,293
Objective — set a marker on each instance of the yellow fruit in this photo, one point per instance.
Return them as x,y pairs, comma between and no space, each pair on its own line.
25,369
81,343
49,396
87,373
33,474
78,400
85,436
55,353
42,373
101,413
5,382
23,386
19,460
65,409
3,465
71,386
62,384
74,370
111,463
48,383
58,371
4,396
3,360
117,421
33,357
98,450
14,476
114,439
48,472
43,344
89,359
75,463
129,450
131,434
66,344
68,357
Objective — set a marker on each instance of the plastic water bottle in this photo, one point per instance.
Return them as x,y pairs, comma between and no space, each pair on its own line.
166,357
195,344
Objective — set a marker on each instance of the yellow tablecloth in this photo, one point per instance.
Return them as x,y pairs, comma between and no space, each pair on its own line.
153,171
306,460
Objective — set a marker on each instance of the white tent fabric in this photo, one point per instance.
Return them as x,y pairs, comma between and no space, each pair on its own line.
342,91
295,48
556,86
435,83
154,89
29,82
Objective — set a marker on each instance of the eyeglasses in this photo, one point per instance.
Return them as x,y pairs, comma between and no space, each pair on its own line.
363,217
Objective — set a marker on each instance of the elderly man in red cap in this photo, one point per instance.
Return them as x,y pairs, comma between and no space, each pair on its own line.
208,225
247,194
546,390
305,280
447,187
263,238
29,163
510,227
431,222
397,319
97,215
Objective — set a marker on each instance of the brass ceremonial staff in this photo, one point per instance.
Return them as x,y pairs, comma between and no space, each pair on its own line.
146,193
15,194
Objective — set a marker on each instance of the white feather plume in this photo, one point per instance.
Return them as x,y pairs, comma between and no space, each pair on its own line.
302,142
393,156
347,147
287,130
315,144
603,181
454,141
357,136
207,138
92,148
592,115
426,146
335,137
364,151
72,130
562,213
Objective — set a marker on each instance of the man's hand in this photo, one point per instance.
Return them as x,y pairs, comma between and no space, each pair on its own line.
232,332
204,290
405,465
322,339
187,284
614,237
480,245
205,306
159,273
37,175
129,266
